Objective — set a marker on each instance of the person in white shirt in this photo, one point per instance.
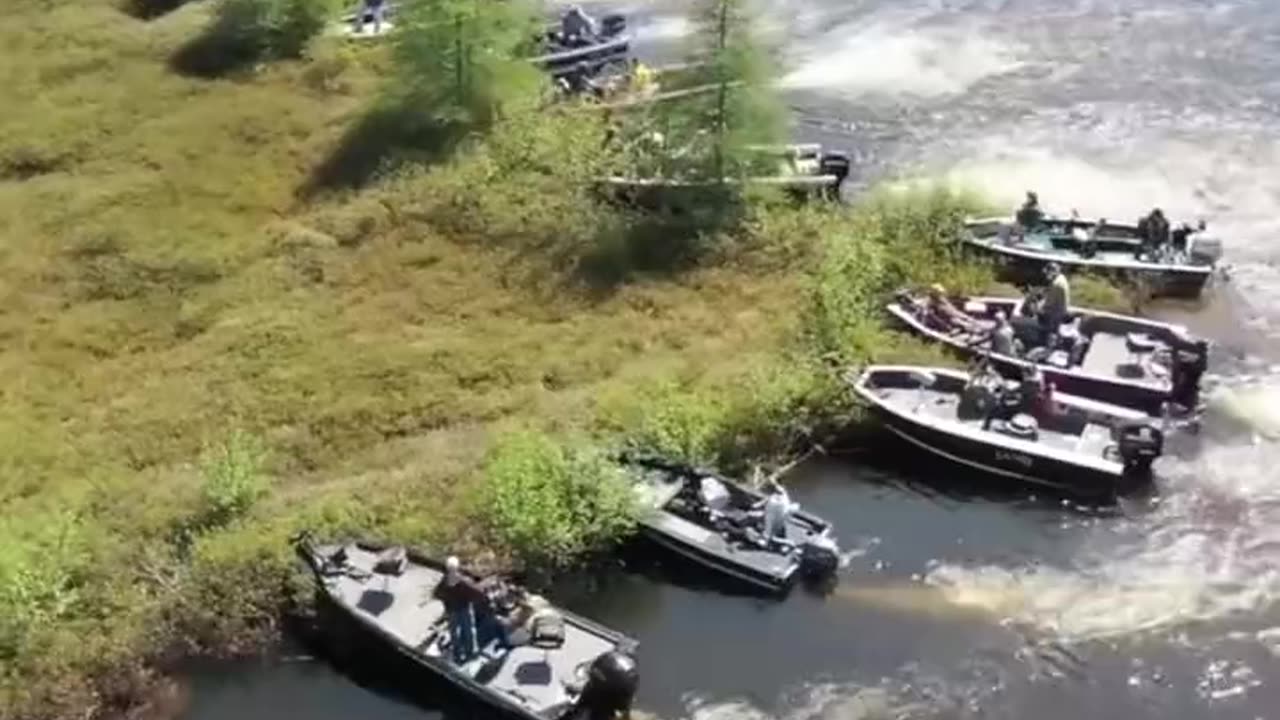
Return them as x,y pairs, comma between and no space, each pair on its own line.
777,512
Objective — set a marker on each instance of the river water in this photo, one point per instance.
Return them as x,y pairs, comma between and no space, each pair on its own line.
964,601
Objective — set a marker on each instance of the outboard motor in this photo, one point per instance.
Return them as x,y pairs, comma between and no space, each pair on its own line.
611,686
837,164
613,25
819,556
1188,368
1139,444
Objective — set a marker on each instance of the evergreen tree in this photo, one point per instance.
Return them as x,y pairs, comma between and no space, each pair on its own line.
461,60
712,132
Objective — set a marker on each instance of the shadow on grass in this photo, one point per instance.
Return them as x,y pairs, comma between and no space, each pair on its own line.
151,9
223,49
390,135
659,241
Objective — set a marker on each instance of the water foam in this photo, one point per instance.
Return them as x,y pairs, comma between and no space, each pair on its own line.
893,59
1210,550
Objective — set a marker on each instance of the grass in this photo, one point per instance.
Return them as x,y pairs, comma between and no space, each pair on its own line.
236,306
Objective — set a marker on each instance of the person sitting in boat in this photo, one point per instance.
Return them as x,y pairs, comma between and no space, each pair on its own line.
1057,301
1002,338
459,595
1030,215
778,508
1155,234
1032,391
577,28
941,314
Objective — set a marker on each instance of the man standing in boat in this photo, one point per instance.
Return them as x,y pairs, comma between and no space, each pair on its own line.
1057,301
459,596
777,513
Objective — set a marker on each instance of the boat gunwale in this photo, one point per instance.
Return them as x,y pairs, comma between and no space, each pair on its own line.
960,429
309,551
896,309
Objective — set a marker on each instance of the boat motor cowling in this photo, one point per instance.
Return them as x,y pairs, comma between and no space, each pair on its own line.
611,686
819,556
614,24
837,164
1139,443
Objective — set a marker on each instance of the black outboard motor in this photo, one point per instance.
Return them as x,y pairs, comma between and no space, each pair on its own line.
613,25
1140,443
819,556
611,686
837,164
1189,366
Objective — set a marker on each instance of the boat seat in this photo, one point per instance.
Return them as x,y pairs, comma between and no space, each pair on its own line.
1021,426
391,561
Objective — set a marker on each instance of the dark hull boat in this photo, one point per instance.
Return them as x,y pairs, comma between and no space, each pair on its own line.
1079,447
561,664
731,545
1026,253
557,56
805,171
560,57
1134,362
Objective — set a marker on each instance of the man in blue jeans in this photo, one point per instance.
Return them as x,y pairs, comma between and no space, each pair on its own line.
459,596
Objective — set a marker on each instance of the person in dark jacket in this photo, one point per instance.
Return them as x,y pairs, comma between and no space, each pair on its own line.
459,596
1030,214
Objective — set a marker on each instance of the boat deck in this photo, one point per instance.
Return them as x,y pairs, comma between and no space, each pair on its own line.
403,606
1073,434
661,491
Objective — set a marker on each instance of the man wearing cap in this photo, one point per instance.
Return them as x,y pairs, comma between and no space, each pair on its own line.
459,596
1057,300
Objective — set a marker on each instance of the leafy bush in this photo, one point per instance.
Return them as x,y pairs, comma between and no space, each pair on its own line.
39,560
550,503
233,479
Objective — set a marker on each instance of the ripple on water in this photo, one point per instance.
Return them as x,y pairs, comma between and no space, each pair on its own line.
1208,551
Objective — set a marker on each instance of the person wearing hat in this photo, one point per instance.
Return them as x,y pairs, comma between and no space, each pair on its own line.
1057,300
459,595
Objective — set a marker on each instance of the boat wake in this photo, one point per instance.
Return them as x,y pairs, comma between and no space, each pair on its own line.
1209,550
888,56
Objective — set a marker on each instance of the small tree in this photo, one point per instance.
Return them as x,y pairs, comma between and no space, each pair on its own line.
461,59
714,131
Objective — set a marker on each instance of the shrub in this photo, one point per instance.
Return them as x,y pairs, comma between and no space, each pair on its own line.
550,503
40,557
233,479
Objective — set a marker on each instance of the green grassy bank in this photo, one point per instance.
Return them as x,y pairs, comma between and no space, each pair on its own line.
242,297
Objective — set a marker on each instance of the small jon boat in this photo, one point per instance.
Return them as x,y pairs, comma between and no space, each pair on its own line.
557,55
1134,362
1114,250
805,170
561,56
560,664
1076,446
728,539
